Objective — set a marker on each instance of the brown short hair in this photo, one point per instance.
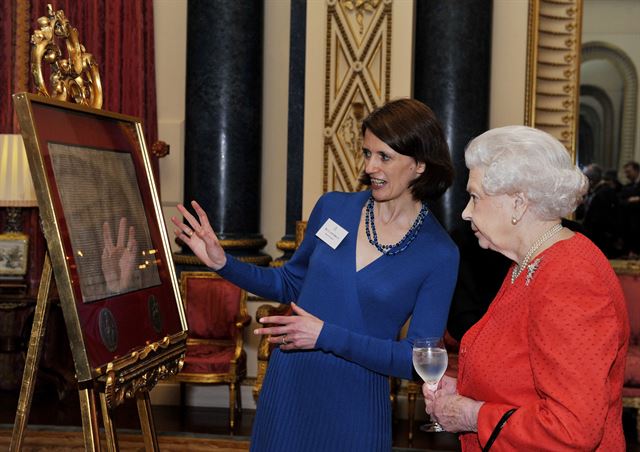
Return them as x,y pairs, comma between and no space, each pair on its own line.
410,127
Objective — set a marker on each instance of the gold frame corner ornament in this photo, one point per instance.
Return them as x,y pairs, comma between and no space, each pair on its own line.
141,370
75,78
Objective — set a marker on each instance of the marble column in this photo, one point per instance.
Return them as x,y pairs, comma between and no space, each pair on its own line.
295,133
223,120
452,76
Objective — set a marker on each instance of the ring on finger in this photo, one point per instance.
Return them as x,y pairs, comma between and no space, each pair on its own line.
284,339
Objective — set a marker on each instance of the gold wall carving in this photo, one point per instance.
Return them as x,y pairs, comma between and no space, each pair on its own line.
75,78
553,68
357,80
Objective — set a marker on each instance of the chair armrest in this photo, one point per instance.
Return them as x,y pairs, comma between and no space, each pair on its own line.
242,321
267,310
264,346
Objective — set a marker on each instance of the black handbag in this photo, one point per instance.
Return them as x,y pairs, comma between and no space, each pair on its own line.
497,429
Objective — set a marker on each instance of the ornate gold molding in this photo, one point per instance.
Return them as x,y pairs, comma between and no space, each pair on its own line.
75,78
553,68
286,245
189,259
243,243
125,377
357,80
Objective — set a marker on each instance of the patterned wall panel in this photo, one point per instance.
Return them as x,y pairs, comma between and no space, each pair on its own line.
357,80
553,68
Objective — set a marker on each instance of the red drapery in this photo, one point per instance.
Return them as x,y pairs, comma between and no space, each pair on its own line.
119,33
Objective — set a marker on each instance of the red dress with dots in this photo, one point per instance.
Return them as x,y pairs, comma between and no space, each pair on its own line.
552,345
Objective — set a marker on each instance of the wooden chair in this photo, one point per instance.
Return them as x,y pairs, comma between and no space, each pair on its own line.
217,315
264,346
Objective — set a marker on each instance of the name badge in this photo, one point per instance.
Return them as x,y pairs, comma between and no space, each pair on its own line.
331,233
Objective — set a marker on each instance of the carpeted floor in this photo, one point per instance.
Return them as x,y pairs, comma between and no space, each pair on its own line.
53,439
49,438
55,426
193,429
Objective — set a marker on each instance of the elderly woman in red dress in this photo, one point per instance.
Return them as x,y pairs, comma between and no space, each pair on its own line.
544,368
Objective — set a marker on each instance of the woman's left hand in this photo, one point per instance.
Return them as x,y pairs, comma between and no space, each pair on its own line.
455,413
292,332
446,385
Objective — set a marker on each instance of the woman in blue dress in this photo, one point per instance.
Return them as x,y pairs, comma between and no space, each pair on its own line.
368,262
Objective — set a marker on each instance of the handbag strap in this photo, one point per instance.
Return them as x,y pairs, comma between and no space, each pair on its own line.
497,429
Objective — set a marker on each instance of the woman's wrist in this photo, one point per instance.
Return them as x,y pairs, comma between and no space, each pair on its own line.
217,266
472,415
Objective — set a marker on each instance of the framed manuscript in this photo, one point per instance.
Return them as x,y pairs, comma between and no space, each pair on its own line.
105,232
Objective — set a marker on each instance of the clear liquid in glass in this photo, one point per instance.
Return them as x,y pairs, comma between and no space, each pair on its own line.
430,361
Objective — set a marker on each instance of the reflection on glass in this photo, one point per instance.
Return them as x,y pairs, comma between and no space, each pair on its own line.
105,217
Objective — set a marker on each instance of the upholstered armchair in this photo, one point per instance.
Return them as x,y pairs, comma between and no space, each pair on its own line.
216,315
629,274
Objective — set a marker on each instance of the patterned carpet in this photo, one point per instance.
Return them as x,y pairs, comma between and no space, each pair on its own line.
54,439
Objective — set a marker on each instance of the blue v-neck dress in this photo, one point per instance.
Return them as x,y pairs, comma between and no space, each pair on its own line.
336,397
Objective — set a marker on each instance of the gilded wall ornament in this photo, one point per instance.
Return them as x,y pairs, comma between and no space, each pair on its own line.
74,75
357,80
553,64
360,7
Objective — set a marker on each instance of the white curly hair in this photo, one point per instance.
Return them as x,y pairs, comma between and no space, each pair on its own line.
520,159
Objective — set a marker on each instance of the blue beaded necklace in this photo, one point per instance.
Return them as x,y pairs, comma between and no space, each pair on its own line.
390,250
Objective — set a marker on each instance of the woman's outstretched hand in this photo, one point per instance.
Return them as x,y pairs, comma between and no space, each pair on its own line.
292,332
199,236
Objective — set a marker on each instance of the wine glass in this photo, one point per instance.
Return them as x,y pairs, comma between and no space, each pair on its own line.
430,361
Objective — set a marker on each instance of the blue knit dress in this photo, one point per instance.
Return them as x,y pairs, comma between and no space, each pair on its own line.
336,397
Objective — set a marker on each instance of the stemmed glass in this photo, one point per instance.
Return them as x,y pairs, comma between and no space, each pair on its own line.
430,361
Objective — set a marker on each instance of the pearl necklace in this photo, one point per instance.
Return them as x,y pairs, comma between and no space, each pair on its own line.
537,244
390,250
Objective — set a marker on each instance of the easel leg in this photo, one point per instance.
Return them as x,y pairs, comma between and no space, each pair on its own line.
89,417
146,421
109,429
33,357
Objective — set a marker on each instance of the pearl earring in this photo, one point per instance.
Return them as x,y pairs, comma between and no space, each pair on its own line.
514,221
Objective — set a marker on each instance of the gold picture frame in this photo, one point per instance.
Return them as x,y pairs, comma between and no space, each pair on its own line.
14,249
91,171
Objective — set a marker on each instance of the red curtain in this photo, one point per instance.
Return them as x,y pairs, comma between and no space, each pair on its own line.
119,34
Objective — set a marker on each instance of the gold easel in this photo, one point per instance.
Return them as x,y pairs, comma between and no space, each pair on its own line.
77,80
87,400
111,394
